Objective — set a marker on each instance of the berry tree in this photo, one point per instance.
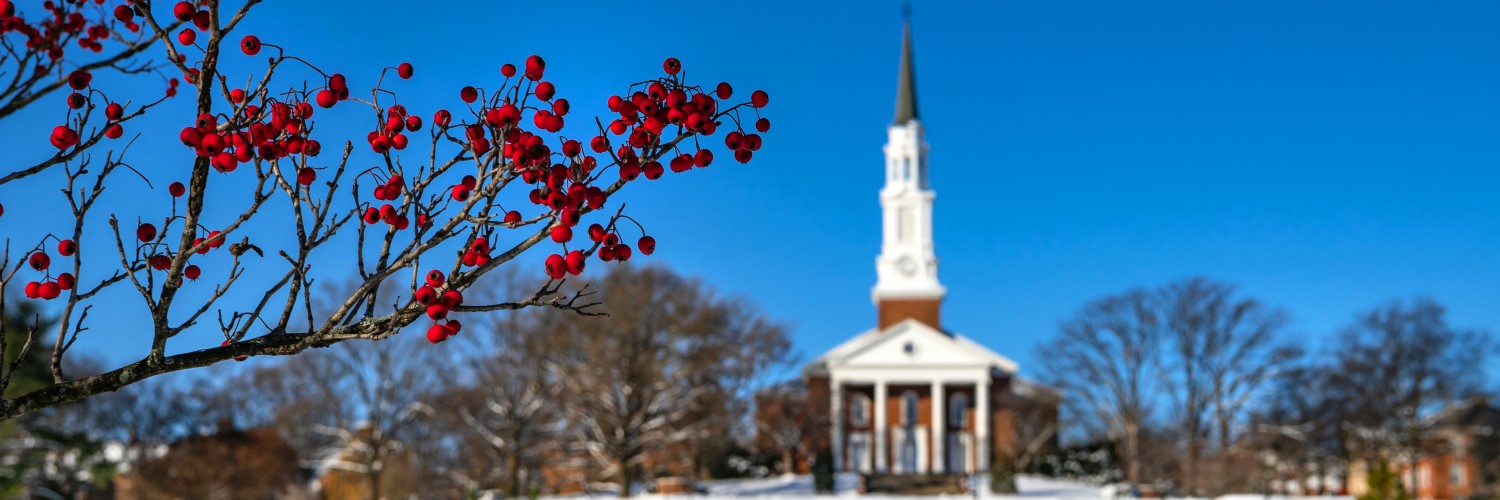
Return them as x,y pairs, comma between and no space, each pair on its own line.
429,204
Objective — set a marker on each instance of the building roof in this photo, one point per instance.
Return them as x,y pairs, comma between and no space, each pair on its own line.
940,347
906,81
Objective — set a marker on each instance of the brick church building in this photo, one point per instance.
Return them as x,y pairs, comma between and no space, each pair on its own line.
911,396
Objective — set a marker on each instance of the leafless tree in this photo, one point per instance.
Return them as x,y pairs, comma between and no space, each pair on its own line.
1221,350
1103,362
634,381
1400,363
509,416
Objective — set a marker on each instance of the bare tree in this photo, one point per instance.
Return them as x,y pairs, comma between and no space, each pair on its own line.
1102,361
1222,349
509,414
633,382
1401,362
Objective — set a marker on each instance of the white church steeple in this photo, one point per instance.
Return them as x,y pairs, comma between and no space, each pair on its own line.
906,269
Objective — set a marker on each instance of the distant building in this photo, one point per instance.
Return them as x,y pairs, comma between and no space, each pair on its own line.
910,396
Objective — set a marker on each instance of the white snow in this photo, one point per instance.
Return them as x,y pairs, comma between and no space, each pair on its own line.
801,488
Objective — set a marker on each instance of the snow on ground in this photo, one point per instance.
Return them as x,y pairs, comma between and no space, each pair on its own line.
801,488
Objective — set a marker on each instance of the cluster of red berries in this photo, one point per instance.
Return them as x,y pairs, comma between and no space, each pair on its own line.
280,136
389,214
187,12
52,288
393,134
438,306
50,34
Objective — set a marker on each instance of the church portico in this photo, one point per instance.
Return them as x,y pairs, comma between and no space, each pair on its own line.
910,422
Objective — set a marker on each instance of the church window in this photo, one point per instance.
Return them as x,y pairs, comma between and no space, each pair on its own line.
958,414
906,168
859,412
909,402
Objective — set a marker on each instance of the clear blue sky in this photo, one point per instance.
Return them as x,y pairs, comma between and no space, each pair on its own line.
1325,156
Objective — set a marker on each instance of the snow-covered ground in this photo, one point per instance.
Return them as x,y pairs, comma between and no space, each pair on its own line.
801,488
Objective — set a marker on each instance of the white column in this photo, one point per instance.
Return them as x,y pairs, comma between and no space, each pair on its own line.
939,425
836,405
880,427
982,425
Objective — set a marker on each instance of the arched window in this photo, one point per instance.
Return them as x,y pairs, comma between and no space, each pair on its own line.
909,403
859,411
906,168
958,414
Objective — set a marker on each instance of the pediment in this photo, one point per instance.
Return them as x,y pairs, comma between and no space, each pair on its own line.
911,343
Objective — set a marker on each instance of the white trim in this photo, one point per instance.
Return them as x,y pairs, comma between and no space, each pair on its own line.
939,426
882,427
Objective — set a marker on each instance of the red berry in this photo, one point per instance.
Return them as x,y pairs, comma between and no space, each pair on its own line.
512,217
237,96
64,137
306,176
468,94
146,232
413,123
460,193
442,118
79,79
184,11
575,261
67,248
187,37
250,45
724,90
437,333
508,70
114,111
545,91
40,261
326,98
122,12
703,158
647,245
622,252
49,290
435,278
33,289
425,295
452,298
556,266
763,125
534,67
66,281
114,131
404,70
596,233
191,272
759,98
453,327
437,312
371,215
672,65
562,233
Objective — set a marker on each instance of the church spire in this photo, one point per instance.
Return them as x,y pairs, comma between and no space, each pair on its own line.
906,79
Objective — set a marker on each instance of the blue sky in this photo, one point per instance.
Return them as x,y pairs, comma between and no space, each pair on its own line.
1324,156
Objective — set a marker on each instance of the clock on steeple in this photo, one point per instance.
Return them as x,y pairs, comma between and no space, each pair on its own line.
906,270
